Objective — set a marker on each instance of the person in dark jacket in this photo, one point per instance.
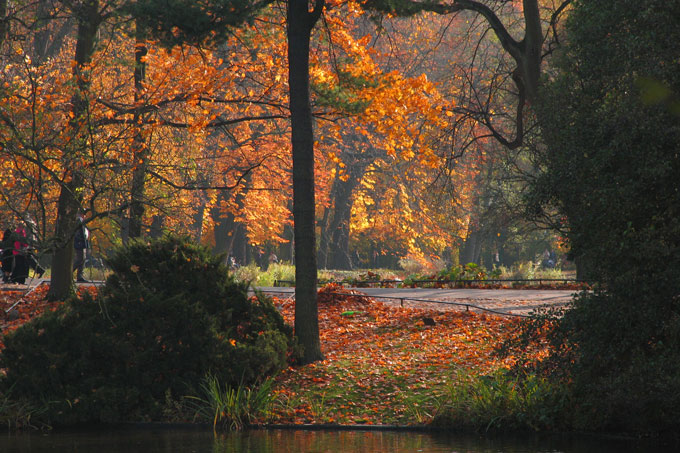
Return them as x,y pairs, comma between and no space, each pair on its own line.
7,247
80,242
20,252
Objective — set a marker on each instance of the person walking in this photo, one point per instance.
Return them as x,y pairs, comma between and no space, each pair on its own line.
30,245
80,245
7,255
20,252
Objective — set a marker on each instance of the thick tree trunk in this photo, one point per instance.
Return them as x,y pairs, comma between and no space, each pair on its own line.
61,280
300,25
71,195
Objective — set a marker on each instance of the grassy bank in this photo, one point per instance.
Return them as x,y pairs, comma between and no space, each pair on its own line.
384,365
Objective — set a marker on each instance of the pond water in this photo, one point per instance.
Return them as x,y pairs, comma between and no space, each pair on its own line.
311,441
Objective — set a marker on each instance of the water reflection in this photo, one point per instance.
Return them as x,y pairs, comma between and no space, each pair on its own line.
269,441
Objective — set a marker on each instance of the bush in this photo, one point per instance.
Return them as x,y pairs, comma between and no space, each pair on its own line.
168,316
415,264
276,272
623,360
248,274
613,176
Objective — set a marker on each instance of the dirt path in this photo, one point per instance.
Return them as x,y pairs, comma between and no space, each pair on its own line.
502,301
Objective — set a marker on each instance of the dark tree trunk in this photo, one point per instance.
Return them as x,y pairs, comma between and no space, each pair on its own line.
156,228
334,250
141,150
325,236
334,244
338,247
198,218
61,279
300,24
4,21
227,230
50,34
70,196
224,225
472,248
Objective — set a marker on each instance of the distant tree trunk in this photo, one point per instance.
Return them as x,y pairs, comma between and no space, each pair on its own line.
300,24
288,252
224,225
140,150
472,248
325,239
70,196
156,228
336,218
338,247
4,21
334,249
227,229
48,39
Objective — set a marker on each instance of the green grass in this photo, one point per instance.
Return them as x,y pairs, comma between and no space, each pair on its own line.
285,272
233,407
17,414
500,402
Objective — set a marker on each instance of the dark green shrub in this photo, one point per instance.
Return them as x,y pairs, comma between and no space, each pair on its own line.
166,318
611,171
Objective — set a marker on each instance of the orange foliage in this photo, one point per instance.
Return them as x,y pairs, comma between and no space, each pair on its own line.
214,130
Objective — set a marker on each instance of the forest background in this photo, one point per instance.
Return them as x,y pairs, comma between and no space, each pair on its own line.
195,140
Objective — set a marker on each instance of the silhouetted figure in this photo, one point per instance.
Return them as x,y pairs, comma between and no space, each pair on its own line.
7,255
80,243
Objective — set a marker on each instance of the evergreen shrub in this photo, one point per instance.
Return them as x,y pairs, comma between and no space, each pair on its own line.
168,315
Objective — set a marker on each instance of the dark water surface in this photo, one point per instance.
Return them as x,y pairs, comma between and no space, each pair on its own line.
267,441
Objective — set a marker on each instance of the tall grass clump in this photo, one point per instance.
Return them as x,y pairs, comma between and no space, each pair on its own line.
233,407
501,402
19,414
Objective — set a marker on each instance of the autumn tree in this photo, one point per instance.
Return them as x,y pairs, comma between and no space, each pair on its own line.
526,53
211,21
89,15
300,22
371,118
497,65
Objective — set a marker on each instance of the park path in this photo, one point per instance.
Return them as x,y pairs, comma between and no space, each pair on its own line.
521,302
501,301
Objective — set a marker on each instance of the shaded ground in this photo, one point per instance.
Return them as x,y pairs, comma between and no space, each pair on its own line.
384,363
